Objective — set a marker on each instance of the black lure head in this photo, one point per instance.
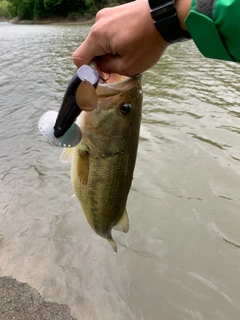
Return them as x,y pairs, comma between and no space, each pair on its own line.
70,110
59,128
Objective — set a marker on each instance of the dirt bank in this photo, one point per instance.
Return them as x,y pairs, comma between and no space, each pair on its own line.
21,302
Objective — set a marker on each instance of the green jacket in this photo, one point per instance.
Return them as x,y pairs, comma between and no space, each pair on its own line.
215,28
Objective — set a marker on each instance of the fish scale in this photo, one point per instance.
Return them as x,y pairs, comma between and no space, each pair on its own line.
105,199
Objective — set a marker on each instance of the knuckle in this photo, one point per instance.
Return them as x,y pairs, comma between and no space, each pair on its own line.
94,30
98,15
101,13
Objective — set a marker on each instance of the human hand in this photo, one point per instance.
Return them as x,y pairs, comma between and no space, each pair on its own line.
123,40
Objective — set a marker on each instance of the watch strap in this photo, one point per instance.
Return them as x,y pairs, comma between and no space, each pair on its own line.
166,21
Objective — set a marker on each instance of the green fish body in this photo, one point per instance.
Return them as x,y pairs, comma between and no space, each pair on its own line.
103,162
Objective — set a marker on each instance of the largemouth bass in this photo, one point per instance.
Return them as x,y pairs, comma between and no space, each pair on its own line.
103,162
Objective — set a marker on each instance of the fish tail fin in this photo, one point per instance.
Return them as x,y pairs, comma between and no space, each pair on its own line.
113,244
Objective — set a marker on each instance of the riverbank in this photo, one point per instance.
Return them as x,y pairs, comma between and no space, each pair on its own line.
20,301
73,20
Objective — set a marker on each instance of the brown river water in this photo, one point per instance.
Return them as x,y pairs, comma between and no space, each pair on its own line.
181,257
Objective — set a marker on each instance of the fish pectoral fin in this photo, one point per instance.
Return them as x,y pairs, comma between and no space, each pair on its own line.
66,155
83,167
123,223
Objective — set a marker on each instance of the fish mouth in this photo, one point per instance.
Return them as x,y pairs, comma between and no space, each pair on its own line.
110,78
114,84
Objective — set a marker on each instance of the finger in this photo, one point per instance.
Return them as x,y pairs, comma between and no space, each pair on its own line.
90,48
83,55
116,64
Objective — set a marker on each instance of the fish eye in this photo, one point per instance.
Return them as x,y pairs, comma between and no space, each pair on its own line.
125,108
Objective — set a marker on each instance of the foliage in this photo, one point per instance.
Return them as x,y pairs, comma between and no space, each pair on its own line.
29,9
4,13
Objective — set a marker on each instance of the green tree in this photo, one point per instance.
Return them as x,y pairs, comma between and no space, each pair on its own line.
28,9
39,10
24,9
4,12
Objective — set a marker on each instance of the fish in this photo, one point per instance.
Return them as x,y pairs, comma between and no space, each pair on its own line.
103,162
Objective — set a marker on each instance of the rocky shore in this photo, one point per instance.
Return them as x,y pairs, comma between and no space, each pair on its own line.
21,302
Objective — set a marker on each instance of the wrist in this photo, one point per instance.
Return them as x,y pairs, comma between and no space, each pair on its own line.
183,8
165,14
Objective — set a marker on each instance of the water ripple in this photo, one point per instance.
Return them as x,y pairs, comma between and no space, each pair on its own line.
182,248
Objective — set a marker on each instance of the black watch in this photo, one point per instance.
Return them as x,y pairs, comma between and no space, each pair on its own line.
166,21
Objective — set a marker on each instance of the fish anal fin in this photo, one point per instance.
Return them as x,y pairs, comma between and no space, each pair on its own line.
123,223
66,155
83,167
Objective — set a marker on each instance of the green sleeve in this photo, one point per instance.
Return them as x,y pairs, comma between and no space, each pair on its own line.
215,28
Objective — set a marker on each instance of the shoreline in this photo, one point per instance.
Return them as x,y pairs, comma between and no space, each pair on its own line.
18,300
78,21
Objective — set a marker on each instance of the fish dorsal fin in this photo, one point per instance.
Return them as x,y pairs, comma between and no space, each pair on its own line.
83,166
123,223
66,155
